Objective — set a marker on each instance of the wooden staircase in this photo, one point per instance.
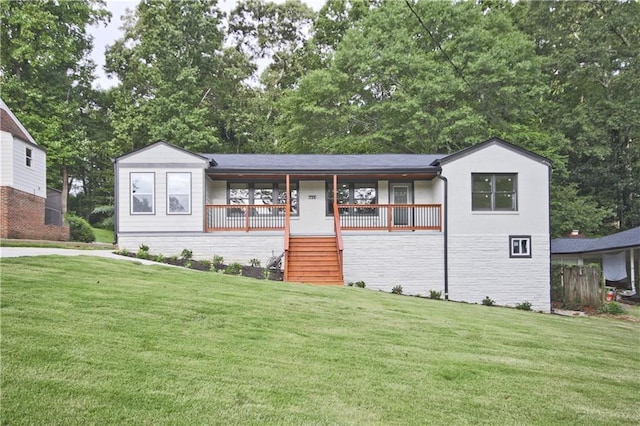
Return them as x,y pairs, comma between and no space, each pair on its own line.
313,260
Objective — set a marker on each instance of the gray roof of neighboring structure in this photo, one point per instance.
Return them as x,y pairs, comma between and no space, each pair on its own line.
10,124
323,163
621,240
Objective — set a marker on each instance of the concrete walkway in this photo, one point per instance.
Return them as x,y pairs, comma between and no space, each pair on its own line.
42,251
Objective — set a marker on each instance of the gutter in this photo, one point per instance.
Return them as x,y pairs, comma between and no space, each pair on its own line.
446,234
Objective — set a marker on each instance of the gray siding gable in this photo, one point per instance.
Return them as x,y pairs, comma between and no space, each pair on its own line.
495,141
153,145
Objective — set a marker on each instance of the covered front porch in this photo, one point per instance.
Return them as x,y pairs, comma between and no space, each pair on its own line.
350,206
313,200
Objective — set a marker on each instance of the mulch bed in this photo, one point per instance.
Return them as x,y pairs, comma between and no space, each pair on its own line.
256,272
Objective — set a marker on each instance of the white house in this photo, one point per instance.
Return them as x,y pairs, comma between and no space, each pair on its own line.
472,224
23,184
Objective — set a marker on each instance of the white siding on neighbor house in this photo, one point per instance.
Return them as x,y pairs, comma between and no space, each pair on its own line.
160,159
413,260
232,246
6,159
479,262
16,173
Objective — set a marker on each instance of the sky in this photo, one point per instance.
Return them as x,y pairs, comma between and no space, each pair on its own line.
106,36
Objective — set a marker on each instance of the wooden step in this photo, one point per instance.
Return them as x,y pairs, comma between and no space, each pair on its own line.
313,260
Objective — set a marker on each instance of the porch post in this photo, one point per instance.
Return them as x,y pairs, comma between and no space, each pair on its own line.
288,211
335,194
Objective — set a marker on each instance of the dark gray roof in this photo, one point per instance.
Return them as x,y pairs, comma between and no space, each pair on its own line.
322,163
624,239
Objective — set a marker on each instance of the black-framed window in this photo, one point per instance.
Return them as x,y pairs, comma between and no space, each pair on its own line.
520,246
28,157
494,192
262,194
360,193
143,193
178,193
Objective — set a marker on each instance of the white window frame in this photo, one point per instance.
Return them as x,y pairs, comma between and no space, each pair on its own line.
169,193
152,193
520,246
28,156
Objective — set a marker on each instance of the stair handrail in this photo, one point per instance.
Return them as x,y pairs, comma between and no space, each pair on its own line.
287,229
336,224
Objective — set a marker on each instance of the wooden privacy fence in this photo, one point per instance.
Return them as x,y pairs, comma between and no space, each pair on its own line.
576,287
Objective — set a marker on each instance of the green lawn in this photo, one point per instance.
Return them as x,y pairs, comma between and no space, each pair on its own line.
56,244
103,235
96,341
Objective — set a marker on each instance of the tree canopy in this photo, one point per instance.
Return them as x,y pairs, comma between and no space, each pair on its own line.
358,76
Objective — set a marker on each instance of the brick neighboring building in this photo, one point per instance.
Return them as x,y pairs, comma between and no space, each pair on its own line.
23,185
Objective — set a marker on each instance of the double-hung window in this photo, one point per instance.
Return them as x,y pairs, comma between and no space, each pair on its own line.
494,192
28,157
262,195
142,193
359,195
178,193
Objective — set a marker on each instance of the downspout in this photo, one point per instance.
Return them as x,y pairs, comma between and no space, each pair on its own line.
446,234
116,216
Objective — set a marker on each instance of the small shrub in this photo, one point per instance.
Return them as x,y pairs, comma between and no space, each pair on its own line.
612,308
217,260
205,264
254,262
187,264
487,301
172,259
434,294
123,252
233,269
524,306
186,255
397,289
360,284
159,258
350,284
79,229
143,252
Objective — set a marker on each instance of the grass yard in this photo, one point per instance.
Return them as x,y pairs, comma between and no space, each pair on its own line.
55,244
103,235
96,341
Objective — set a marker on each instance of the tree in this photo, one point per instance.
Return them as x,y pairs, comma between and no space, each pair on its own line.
433,77
590,52
178,83
274,31
46,76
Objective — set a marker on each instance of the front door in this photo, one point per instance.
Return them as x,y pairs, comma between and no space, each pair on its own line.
401,195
